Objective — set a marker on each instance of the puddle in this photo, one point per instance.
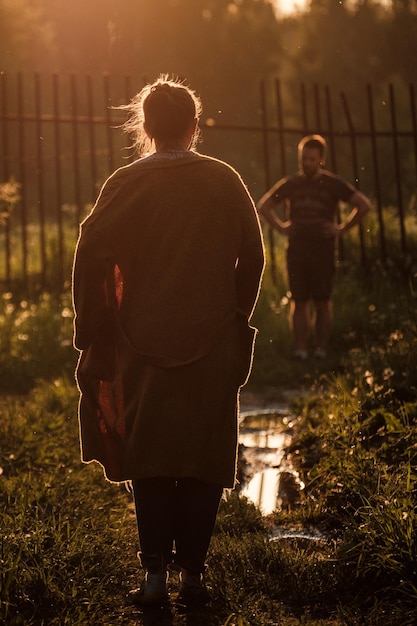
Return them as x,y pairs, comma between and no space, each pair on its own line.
266,476
311,534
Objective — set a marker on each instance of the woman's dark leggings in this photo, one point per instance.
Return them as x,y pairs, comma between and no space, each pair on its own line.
176,518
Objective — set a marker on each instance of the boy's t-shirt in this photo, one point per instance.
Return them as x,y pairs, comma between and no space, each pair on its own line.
313,201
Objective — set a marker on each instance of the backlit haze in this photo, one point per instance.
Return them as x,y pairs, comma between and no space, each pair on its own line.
286,7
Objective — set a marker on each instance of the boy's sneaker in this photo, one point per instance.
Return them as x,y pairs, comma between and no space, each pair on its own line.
300,355
153,591
320,353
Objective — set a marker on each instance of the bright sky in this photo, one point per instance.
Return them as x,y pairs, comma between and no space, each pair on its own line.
288,6
284,7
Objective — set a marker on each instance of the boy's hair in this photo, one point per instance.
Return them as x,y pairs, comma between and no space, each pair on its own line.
314,141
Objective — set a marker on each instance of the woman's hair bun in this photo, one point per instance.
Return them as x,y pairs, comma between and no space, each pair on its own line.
161,87
166,108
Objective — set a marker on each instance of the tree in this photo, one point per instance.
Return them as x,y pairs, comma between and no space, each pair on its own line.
26,37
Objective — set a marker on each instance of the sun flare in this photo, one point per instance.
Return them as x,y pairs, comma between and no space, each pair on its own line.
286,7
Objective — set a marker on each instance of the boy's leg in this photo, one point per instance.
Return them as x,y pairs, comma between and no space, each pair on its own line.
300,321
323,324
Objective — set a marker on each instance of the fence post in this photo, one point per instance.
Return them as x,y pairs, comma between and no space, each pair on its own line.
128,97
330,128
280,120
355,165
75,149
4,133
341,244
317,107
91,137
107,99
414,124
376,175
267,178
397,169
5,218
58,173
304,108
22,177
40,175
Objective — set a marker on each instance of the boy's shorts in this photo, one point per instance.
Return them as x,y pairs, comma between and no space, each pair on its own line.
311,268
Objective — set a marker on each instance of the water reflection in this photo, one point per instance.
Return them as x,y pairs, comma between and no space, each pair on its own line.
267,478
311,534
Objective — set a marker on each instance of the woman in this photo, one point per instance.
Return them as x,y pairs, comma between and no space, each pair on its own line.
166,275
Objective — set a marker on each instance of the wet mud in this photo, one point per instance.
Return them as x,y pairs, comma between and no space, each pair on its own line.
266,475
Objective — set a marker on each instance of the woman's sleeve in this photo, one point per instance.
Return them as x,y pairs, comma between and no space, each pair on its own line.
251,260
92,265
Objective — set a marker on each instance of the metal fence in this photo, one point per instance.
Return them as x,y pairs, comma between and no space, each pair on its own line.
61,138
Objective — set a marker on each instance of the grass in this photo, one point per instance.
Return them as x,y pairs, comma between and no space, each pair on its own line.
68,539
64,532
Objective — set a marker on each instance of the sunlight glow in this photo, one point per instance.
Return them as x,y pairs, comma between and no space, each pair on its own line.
288,7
